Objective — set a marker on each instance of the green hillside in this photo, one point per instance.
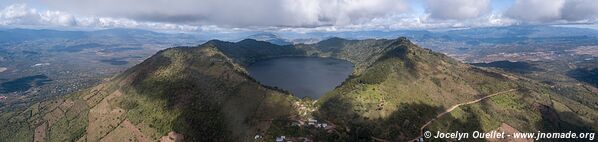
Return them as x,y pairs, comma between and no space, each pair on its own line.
409,85
203,93
197,92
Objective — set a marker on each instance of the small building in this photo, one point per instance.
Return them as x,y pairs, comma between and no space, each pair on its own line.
323,125
312,121
280,138
258,136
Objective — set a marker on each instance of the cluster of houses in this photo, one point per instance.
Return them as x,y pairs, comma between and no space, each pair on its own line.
313,122
309,123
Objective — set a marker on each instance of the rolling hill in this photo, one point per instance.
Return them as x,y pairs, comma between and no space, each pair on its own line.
203,93
409,86
269,37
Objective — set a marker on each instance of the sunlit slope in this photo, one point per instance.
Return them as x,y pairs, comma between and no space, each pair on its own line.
204,94
408,86
194,91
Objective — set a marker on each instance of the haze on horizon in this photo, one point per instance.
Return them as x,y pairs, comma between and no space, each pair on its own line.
222,16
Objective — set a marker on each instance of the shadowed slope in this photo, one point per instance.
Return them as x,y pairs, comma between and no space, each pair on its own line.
205,94
374,101
198,92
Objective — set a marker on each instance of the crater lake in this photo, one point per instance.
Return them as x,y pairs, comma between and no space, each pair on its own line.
303,76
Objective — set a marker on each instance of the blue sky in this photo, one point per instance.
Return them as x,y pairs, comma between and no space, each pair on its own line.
292,15
497,5
501,4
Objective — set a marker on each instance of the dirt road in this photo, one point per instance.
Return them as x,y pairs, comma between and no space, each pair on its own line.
421,130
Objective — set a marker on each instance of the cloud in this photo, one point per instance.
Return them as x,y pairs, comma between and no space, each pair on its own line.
21,15
351,16
18,14
292,15
547,11
576,10
239,13
536,10
457,9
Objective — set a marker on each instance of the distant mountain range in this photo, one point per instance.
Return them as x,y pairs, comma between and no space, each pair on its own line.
269,37
19,35
484,33
204,93
284,38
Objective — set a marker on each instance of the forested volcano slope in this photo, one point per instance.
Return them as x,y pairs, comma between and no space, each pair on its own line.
203,93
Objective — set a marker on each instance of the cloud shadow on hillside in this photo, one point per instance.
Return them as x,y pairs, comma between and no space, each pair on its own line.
401,125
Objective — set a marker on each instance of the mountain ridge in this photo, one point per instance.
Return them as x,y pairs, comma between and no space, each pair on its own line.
203,93
269,37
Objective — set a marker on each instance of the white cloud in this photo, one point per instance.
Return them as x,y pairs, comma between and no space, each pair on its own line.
457,9
58,18
21,15
351,16
239,13
536,10
410,22
576,10
293,15
18,14
550,11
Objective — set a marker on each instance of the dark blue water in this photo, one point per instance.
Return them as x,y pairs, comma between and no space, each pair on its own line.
303,76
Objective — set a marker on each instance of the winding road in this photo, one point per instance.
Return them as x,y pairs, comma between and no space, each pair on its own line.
421,130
